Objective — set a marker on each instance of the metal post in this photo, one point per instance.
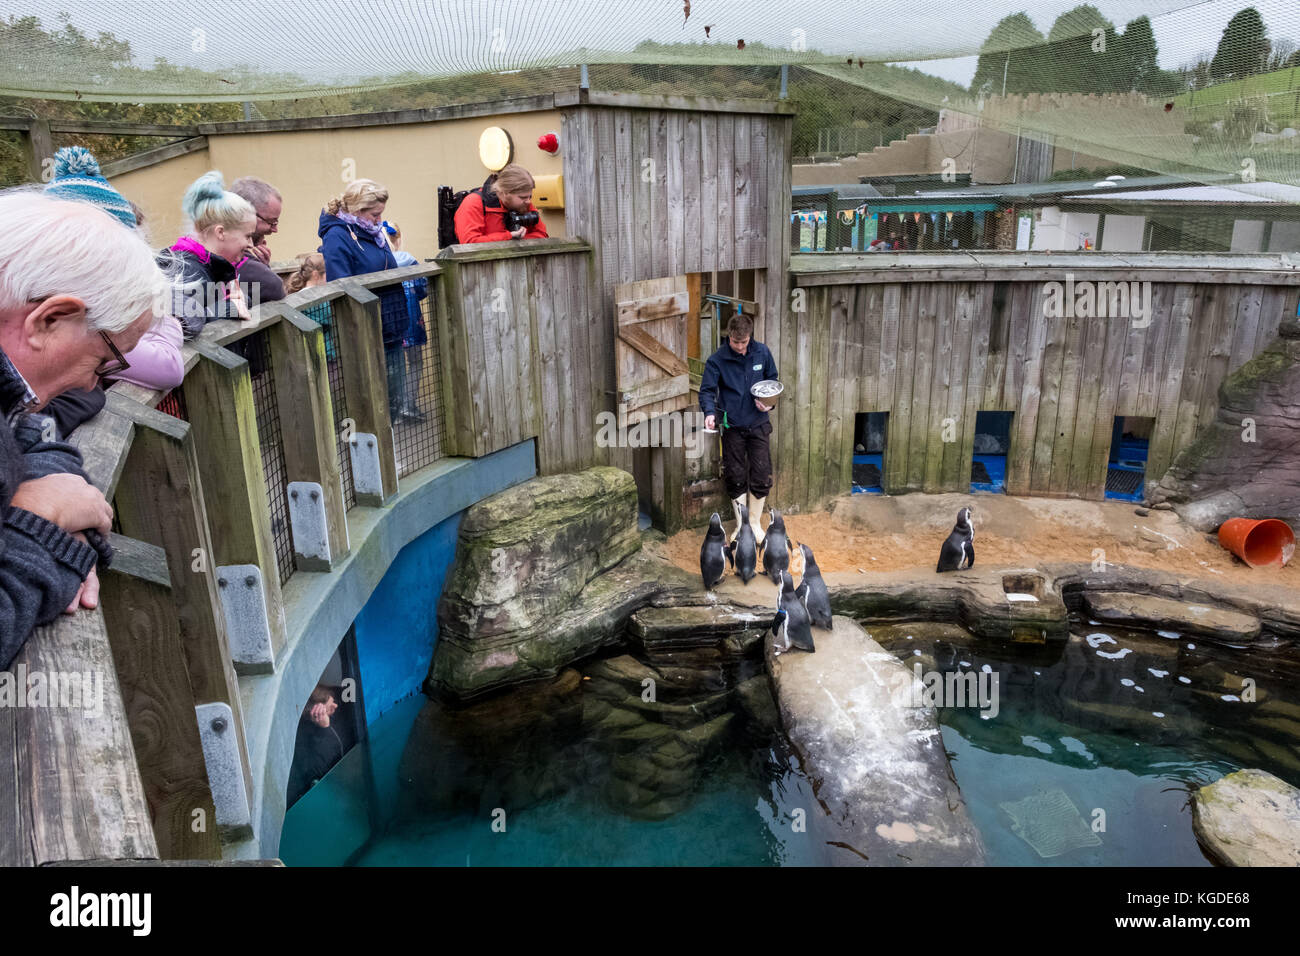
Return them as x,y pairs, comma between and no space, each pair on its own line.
583,82
785,76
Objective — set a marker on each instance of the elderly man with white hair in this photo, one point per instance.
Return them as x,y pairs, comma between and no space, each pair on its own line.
77,292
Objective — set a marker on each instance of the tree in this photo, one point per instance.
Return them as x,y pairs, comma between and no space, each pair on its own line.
1082,50
1243,48
1136,63
1010,58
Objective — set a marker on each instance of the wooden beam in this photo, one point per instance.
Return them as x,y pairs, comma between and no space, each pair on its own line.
151,157
114,128
655,391
653,349
518,104
38,146
160,500
219,397
307,420
695,104
505,249
365,380
69,784
144,634
654,307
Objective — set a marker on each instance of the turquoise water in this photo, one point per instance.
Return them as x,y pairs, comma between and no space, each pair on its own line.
543,793
1124,723
1115,726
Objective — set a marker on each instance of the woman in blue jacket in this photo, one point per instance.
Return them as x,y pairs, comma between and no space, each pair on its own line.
353,243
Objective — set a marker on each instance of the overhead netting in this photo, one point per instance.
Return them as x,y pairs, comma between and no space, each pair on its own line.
1196,89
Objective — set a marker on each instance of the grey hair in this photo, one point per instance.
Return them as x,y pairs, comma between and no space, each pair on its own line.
54,247
257,191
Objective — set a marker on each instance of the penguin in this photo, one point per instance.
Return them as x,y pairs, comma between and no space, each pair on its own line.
958,552
744,550
776,549
817,599
790,626
714,554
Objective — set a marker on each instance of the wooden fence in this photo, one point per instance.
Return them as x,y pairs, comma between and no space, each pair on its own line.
934,339
201,494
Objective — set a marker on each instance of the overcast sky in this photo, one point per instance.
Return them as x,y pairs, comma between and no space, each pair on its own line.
348,39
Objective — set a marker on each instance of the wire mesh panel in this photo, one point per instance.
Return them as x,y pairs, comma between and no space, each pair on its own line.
323,314
414,372
173,403
256,348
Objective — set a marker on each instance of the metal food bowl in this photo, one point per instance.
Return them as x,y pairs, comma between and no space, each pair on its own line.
768,400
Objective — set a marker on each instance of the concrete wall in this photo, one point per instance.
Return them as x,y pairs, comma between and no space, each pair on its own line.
311,166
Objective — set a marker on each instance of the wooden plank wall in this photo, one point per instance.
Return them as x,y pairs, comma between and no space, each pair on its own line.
518,355
928,351
660,192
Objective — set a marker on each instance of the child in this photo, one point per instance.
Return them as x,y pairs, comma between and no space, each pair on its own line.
416,335
311,273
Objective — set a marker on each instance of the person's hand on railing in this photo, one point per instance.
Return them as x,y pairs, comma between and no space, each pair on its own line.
87,595
237,300
66,500
518,233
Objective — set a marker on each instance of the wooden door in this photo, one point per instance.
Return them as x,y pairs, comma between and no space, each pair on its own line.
650,351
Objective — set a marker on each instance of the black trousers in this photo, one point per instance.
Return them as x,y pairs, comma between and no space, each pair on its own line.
747,461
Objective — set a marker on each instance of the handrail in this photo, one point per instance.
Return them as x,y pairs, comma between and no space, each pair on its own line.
835,268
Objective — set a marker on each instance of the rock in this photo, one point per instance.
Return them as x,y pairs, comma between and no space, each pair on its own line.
1220,475
530,595
1156,613
672,628
754,696
1142,512
1248,818
876,763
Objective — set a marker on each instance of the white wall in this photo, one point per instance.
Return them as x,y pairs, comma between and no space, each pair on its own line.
1059,231
1123,233
1285,236
1247,235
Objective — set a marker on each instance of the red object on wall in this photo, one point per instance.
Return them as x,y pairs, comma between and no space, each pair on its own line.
549,142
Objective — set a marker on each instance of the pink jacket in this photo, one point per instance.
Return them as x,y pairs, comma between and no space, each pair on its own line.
156,361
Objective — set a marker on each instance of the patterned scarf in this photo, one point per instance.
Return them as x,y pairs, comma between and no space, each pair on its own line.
373,229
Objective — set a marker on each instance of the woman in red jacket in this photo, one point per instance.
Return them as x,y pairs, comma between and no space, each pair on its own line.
481,216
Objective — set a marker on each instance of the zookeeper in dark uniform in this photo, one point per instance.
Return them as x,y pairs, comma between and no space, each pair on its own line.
737,365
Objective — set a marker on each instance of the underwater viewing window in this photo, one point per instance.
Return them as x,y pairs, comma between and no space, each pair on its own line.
869,432
331,723
988,468
1126,471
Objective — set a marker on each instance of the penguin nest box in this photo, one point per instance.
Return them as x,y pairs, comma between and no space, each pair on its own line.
768,391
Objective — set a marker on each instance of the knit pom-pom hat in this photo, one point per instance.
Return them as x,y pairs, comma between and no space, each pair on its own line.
77,177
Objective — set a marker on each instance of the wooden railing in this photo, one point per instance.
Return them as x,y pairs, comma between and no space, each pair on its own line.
243,476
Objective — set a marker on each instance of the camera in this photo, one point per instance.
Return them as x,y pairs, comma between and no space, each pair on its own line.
514,220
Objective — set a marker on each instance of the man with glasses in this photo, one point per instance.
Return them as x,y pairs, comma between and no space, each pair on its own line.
260,283
66,321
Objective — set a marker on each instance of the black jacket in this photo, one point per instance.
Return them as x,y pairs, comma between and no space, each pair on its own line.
41,565
197,298
728,377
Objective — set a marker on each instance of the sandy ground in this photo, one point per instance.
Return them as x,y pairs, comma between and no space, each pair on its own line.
873,533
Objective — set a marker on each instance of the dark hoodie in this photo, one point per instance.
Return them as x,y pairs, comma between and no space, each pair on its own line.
41,565
350,252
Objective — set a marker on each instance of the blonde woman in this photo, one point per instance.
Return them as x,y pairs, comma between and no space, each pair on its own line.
482,214
354,243
221,228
